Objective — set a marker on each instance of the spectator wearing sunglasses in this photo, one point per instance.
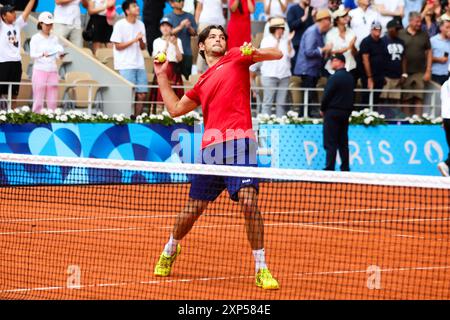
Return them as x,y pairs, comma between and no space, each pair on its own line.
333,5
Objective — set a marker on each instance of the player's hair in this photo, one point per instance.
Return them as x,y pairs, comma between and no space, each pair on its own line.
126,5
205,34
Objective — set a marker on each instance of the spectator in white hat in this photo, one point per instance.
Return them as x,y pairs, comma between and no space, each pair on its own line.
343,39
44,50
275,74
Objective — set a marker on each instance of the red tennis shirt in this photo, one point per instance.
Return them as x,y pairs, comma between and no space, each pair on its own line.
224,93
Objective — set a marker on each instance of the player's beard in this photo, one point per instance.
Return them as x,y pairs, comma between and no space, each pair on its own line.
216,51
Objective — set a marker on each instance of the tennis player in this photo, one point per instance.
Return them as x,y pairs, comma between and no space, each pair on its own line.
223,91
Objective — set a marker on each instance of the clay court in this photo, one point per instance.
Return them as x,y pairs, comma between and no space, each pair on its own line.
322,240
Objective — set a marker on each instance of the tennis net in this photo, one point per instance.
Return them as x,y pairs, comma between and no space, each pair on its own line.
94,229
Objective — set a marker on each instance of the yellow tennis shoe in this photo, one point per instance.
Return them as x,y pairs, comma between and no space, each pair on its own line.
165,262
265,280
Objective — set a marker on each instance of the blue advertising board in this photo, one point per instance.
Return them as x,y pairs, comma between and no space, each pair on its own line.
404,149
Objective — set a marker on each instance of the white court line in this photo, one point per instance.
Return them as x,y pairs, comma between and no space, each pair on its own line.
170,227
281,224
310,225
188,280
264,213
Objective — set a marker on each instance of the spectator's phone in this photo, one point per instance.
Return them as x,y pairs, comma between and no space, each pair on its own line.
445,54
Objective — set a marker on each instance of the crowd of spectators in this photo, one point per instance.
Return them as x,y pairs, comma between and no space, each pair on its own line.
390,44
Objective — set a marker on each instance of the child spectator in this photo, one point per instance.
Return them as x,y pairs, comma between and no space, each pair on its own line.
184,27
171,46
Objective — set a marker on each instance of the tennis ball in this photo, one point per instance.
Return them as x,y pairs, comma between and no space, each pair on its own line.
161,57
246,51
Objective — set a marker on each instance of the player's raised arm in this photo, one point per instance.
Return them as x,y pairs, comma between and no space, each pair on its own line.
175,106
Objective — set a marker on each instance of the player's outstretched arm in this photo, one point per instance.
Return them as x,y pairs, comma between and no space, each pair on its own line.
175,106
259,55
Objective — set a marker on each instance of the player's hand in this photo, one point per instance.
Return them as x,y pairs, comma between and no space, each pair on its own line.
160,68
247,49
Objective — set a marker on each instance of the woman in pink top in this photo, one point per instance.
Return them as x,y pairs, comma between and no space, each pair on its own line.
239,26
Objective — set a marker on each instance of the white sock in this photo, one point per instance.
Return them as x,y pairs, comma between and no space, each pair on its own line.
171,246
260,259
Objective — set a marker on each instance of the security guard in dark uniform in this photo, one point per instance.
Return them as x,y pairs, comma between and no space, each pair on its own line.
336,107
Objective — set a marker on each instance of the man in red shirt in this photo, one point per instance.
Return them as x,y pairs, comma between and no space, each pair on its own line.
224,93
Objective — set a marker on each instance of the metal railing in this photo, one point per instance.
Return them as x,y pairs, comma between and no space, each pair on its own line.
302,100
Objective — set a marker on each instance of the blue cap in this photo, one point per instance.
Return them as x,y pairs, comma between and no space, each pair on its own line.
166,20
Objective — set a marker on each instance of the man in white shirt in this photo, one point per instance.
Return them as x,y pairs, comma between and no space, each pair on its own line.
388,10
275,8
67,17
129,40
208,12
445,113
361,20
275,74
10,58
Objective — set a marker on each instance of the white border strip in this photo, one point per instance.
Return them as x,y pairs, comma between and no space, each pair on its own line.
223,170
